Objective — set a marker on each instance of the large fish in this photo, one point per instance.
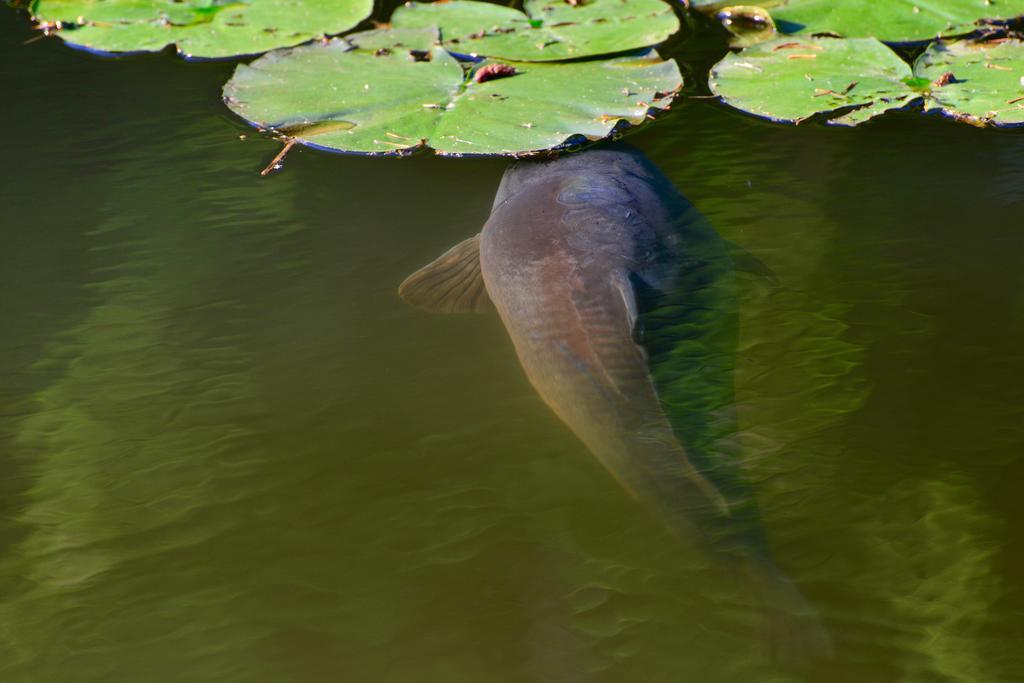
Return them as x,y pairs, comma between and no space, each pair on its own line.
620,300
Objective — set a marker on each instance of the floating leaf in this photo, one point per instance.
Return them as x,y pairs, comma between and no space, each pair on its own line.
791,79
396,99
198,28
386,39
550,29
892,21
979,82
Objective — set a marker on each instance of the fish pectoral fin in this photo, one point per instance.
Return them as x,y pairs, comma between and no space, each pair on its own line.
624,285
452,283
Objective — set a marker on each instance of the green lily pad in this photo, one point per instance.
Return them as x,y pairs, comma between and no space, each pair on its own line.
549,30
361,95
198,28
791,79
981,82
892,21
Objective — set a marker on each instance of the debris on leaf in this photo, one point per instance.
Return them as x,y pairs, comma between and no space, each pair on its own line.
844,81
991,70
492,72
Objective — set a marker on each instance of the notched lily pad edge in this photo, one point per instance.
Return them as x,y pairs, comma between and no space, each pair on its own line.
826,117
474,57
916,104
975,121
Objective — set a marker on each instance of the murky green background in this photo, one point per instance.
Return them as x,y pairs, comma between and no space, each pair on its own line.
229,452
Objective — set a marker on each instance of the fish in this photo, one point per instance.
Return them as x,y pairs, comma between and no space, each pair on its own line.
620,299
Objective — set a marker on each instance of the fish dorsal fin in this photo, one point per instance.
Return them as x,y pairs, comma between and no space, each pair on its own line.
452,283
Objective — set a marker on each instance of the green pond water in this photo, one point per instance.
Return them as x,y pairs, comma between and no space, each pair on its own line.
230,452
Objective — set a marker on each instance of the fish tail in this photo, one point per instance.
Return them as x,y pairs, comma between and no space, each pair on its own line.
794,633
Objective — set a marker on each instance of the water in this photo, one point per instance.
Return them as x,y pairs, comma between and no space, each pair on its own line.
230,452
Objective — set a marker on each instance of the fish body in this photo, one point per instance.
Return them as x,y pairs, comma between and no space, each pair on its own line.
620,300
576,256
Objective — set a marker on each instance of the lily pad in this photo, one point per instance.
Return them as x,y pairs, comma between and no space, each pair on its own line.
981,82
198,28
549,30
892,21
359,94
791,79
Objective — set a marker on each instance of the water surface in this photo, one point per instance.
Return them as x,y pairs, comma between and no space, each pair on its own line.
228,451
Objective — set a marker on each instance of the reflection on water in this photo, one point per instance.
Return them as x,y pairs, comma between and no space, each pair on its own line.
228,451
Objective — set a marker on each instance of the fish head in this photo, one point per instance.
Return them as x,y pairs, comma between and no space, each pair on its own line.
617,159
